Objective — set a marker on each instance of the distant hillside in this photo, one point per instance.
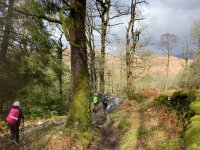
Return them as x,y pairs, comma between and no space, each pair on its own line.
160,65
180,55
115,71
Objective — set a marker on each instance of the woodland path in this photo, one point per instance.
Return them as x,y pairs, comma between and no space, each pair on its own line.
109,137
150,129
30,133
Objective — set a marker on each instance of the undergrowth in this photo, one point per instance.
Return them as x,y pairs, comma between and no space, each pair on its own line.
187,105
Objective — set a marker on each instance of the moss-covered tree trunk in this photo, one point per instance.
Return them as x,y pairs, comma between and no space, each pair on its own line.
79,113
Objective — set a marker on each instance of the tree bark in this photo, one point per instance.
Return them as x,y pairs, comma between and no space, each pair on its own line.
93,75
167,78
103,8
79,113
129,73
7,31
102,61
90,25
60,72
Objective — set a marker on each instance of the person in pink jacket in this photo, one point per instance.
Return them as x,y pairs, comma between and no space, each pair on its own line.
14,118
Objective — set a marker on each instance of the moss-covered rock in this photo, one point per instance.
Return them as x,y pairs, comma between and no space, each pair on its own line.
187,105
192,136
195,107
191,125
195,118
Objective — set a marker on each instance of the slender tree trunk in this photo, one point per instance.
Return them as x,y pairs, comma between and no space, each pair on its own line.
186,63
129,72
79,113
102,62
60,73
187,55
93,73
7,31
92,63
167,78
120,75
91,46
93,76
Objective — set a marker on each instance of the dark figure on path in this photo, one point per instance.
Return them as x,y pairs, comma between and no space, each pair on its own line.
95,103
104,102
14,118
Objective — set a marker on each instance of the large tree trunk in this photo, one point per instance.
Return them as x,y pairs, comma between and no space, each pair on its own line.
79,113
7,31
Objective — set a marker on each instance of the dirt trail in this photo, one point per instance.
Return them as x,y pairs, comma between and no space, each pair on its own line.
149,129
109,139
31,133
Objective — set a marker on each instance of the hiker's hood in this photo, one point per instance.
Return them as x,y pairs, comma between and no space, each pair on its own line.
16,103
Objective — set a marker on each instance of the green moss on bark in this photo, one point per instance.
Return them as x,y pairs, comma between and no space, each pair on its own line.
80,113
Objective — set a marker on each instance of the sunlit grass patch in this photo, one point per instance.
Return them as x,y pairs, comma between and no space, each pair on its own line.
61,138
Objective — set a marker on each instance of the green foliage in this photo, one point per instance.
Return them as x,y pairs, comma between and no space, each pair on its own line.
41,96
160,100
33,70
190,78
10,79
40,68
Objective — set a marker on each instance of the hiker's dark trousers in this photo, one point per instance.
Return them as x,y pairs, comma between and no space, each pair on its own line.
14,130
105,106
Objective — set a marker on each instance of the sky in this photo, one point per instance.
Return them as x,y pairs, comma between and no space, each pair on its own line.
173,16
166,16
